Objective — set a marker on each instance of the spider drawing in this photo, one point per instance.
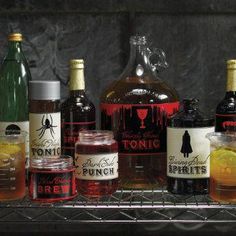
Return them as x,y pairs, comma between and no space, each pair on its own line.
46,124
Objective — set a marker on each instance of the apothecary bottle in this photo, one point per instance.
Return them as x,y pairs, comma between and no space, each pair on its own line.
45,119
188,150
136,108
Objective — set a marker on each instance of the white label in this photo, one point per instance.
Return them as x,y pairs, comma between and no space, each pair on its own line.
96,166
45,134
24,126
188,152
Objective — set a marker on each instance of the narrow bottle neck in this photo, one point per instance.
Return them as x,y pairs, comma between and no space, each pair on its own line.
14,50
231,80
77,80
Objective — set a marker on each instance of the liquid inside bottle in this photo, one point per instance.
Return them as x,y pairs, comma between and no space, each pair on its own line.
136,109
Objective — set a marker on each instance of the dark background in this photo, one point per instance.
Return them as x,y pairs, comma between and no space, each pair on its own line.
198,37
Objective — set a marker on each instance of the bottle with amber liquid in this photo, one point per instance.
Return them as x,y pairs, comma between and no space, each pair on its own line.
77,112
136,108
226,109
188,150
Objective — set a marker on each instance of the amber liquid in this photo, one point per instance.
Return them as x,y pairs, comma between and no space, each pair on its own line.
96,188
223,175
12,174
145,170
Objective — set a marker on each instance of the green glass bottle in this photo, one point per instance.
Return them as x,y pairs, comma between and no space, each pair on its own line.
14,80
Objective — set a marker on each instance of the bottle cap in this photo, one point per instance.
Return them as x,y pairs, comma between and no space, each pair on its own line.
138,40
190,103
231,64
44,90
15,37
76,64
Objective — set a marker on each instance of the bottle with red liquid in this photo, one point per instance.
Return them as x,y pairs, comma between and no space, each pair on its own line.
136,109
96,162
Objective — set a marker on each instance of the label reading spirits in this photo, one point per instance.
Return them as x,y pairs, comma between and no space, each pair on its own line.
70,132
138,128
225,122
52,185
45,134
21,126
188,152
96,166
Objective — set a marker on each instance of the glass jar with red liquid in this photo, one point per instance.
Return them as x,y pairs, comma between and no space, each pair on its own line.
52,179
96,161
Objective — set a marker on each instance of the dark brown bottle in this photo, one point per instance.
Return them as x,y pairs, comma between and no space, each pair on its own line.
136,108
188,150
77,112
226,109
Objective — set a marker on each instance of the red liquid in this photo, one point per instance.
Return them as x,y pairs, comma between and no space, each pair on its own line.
96,188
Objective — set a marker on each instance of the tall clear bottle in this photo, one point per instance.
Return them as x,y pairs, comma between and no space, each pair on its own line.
77,112
136,108
14,79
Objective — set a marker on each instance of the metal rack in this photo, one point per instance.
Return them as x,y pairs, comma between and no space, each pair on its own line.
124,206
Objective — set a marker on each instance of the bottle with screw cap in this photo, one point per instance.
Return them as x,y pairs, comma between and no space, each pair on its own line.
226,109
45,119
14,78
78,112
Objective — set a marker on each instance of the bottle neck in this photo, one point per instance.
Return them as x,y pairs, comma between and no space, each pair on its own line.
138,62
14,50
231,81
77,81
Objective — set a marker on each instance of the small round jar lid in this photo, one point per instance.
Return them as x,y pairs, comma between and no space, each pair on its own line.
44,90
57,162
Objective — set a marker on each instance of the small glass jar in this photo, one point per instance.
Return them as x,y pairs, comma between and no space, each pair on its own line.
96,161
52,179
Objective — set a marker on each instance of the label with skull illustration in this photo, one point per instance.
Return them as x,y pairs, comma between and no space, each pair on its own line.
45,134
140,129
188,152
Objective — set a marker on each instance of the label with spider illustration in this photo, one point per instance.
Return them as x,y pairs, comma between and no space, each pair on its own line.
45,134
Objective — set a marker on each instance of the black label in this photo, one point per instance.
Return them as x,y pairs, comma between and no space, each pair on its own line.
70,134
52,185
139,129
225,123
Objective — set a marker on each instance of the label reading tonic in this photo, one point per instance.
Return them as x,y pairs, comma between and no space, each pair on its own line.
139,128
188,152
45,134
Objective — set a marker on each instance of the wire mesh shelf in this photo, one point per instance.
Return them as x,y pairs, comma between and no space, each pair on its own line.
124,206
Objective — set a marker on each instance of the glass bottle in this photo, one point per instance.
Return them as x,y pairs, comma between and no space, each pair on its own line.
188,150
78,112
14,78
226,109
136,108
45,119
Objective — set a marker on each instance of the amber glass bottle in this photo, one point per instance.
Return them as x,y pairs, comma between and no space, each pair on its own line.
136,108
77,112
226,109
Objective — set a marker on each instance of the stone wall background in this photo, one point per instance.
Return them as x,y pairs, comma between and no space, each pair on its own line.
197,36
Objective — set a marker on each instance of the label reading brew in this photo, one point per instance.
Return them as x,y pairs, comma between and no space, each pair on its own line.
45,134
188,152
225,122
21,126
50,185
138,128
96,166
71,132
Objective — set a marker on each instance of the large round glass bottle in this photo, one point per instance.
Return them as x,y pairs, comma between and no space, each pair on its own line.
136,108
